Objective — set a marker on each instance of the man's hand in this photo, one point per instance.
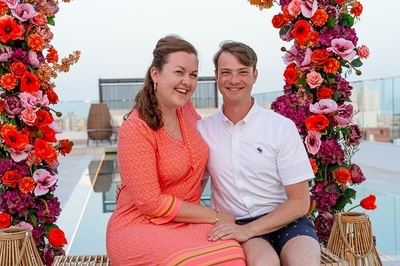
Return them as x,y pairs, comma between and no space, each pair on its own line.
226,231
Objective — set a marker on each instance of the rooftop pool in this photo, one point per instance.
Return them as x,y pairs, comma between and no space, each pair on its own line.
85,215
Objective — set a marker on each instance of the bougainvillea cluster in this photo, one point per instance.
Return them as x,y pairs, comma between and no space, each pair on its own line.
324,51
29,148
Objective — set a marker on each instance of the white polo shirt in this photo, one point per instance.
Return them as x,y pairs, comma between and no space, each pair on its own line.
251,161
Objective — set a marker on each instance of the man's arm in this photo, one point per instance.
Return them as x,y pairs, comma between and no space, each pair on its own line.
296,206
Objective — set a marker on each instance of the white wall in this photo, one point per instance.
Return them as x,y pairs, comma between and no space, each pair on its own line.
378,155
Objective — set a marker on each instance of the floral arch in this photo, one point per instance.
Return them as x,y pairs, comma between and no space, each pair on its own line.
324,51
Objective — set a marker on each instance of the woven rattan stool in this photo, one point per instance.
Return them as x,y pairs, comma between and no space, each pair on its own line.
84,260
329,259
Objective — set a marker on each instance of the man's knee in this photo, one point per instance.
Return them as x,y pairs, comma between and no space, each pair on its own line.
301,250
259,252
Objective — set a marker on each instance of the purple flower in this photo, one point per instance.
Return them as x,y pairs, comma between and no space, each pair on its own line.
48,210
331,152
49,253
354,135
13,106
344,115
323,225
357,175
324,195
16,203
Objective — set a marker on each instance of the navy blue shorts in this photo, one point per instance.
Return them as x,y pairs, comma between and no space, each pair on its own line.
301,227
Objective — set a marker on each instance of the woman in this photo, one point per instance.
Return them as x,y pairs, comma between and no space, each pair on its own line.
158,219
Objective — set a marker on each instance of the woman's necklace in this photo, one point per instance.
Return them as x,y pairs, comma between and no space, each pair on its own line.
167,125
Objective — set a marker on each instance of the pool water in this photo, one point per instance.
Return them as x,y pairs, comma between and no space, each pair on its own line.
84,218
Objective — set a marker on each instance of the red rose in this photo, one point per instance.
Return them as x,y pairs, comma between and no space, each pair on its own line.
11,178
5,220
369,203
57,238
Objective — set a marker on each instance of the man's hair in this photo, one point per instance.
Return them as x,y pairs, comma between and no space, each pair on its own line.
244,53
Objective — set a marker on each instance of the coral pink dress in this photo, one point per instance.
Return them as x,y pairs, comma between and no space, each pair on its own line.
158,173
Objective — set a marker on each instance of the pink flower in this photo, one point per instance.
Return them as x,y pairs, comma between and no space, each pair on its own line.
294,8
343,48
363,51
24,12
313,141
344,116
24,225
28,116
308,8
290,55
324,106
314,79
11,3
44,180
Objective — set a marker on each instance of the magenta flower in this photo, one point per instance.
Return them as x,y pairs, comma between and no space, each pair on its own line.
357,175
44,180
344,115
331,152
343,48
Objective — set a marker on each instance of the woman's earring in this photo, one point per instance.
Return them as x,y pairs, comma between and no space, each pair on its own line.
155,86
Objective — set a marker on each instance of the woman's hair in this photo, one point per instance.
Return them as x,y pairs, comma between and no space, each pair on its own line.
145,100
244,53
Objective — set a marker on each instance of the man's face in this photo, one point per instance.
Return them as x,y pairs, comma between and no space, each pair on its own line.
235,80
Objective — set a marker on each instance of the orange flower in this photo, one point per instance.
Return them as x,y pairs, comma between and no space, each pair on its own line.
368,203
11,178
319,57
45,151
356,9
13,138
18,69
26,185
317,122
262,3
5,220
331,66
30,83
324,93
290,74
52,56
320,17
9,29
3,8
35,42
8,81
342,176
314,165
57,238
300,31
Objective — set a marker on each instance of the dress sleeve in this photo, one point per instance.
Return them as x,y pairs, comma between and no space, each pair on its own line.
137,155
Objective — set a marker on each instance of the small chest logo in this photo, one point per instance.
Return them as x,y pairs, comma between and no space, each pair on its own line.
259,150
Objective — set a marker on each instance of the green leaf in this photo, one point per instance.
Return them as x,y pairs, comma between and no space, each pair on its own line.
32,219
356,62
50,20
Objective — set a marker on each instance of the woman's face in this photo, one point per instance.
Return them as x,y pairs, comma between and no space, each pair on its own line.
177,81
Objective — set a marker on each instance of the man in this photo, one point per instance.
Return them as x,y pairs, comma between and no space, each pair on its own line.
259,169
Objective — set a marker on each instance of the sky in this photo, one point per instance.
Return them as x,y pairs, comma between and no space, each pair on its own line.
116,39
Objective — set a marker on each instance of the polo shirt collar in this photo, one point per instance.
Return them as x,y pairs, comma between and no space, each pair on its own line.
255,109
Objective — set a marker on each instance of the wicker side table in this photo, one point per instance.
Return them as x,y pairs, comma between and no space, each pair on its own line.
83,260
329,259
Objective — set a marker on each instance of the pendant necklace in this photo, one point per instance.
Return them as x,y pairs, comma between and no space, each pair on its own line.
173,131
